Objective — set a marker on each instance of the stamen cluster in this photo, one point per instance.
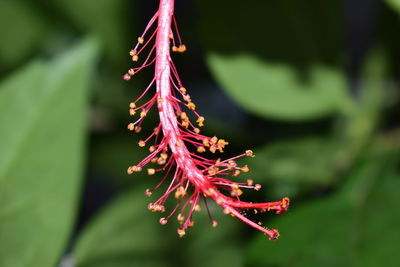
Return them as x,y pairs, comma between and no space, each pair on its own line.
176,143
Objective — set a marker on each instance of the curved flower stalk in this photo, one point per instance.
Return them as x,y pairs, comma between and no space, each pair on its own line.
176,143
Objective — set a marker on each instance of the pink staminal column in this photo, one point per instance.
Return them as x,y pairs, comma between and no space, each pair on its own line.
202,177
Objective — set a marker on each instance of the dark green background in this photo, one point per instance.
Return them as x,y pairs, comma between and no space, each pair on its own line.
311,86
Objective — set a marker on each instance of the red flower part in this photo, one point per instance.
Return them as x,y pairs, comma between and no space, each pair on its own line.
193,177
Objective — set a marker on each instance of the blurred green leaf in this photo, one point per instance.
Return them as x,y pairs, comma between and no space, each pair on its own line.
395,4
360,119
307,159
276,90
22,28
42,110
355,227
294,165
278,59
108,19
127,234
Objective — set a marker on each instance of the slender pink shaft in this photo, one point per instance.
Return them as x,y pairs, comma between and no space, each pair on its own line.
191,169
166,110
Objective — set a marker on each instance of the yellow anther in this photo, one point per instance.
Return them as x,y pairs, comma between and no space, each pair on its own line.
154,160
191,106
164,155
250,182
231,164
156,130
142,143
187,98
250,153
236,173
214,224
133,169
257,187
212,149
196,130
135,58
181,232
132,52
148,192
285,202
191,224
132,112
205,142
183,90
222,143
201,149
155,208
227,211
182,48
174,49
151,171
131,72
235,186
197,208
163,221
132,105
214,140
159,100
161,161
184,116
131,127
180,192
212,171
200,121
219,201
140,40
210,192
138,129
170,36
245,168
152,149
178,144
185,124
180,218
143,114
136,168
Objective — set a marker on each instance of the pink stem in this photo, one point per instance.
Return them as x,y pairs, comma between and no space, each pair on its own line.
170,128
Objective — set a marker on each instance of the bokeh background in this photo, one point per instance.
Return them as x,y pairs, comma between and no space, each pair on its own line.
311,86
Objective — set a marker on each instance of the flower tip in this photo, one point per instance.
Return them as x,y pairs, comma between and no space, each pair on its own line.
148,192
273,234
131,127
132,52
285,202
249,153
163,221
151,171
181,232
